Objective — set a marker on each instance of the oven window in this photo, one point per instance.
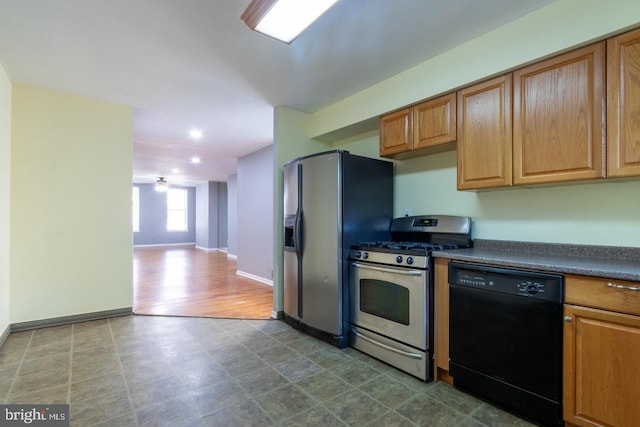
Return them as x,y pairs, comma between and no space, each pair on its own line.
385,299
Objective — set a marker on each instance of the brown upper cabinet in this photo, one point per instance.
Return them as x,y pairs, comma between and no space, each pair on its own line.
396,132
485,134
558,121
428,127
569,118
623,105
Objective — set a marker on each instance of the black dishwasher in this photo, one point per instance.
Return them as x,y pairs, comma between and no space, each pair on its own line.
505,338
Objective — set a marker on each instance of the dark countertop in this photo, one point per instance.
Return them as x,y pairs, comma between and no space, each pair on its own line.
599,261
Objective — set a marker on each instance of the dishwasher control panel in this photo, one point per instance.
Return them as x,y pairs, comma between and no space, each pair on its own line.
548,287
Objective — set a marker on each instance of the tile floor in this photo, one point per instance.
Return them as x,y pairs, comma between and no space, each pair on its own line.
179,371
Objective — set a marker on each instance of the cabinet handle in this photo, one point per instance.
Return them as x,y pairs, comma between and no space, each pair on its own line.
568,319
628,288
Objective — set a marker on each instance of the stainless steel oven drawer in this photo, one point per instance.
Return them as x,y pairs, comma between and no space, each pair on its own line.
408,359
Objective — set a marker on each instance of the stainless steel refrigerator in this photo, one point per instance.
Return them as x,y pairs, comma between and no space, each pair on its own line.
332,200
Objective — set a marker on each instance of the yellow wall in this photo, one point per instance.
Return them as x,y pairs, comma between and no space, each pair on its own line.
600,213
5,182
71,245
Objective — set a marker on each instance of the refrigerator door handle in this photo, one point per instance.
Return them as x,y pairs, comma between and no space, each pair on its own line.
298,233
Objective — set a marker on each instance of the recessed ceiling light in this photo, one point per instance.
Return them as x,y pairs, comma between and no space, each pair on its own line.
195,133
175,170
195,160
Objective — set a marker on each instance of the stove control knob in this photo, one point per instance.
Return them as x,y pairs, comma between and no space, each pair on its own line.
357,254
399,259
365,255
409,260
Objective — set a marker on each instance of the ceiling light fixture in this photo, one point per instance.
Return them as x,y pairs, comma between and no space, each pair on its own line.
175,170
284,19
162,185
195,134
195,160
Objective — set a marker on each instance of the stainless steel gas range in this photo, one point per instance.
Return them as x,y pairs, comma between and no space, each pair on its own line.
392,290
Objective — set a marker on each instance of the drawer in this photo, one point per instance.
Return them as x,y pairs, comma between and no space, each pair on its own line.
602,293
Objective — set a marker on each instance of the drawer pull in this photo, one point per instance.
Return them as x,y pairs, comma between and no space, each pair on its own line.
628,288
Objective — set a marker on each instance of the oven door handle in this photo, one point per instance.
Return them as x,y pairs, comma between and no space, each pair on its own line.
387,347
388,270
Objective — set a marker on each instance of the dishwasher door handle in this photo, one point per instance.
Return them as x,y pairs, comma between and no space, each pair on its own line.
387,347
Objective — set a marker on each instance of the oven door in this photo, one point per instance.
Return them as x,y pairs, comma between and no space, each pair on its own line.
390,301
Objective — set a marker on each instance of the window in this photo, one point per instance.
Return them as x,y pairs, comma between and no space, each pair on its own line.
177,209
135,209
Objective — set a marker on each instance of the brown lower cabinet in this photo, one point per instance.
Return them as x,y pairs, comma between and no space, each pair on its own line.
601,352
601,372
441,320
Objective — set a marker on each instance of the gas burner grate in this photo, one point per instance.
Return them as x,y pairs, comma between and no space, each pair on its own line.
402,246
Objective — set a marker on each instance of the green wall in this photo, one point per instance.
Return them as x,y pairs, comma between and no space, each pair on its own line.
71,245
290,131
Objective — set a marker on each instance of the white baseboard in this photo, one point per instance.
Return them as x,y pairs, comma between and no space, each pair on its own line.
232,256
254,277
165,244
200,248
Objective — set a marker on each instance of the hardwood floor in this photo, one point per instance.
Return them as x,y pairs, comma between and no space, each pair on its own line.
183,281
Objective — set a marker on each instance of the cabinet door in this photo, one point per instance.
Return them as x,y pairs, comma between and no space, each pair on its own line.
623,105
396,132
435,122
601,375
558,129
485,134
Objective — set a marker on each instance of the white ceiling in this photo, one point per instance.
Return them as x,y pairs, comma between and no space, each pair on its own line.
185,64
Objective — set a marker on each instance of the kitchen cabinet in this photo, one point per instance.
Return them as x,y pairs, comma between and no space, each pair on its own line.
601,348
485,135
396,132
558,121
441,320
425,128
623,105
